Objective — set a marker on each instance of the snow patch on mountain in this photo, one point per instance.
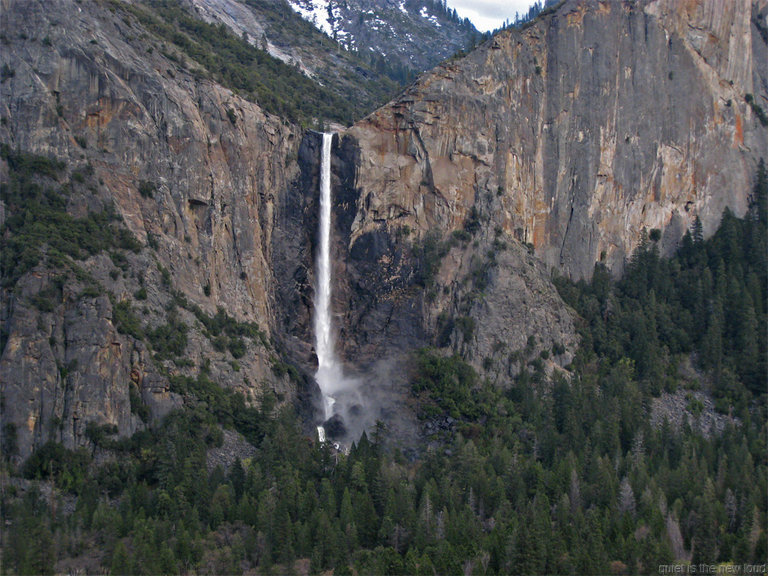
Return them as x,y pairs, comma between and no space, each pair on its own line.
424,13
315,11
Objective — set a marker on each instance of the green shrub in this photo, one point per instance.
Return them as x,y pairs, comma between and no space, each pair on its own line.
38,219
445,382
93,290
226,406
445,326
10,446
45,300
221,323
138,406
100,434
169,340
430,255
147,189
126,321
757,109
236,347
6,72
462,236
281,368
165,275
473,222
67,468
466,325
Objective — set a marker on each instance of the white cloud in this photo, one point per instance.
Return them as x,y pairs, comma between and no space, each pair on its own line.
489,14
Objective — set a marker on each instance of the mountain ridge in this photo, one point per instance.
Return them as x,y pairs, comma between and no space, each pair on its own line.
411,45
417,34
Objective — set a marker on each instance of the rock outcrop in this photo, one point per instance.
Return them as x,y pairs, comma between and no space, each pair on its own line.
598,120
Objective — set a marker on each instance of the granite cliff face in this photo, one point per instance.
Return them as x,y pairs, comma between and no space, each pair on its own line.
193,171
599,120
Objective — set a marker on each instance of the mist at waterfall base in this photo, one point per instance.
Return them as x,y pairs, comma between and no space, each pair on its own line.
377,393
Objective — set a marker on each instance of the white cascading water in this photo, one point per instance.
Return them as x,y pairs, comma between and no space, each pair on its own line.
329,374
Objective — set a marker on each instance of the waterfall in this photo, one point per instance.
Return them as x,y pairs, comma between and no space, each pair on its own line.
329,375
342,398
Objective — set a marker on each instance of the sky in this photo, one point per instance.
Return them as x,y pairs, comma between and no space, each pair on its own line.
489,14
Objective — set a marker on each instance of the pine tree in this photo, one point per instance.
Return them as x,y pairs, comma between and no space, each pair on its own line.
626,498
697,231
120,565
705,548
237,478
712,344
759,203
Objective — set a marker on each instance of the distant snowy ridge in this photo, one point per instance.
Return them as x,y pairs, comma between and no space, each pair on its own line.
390,27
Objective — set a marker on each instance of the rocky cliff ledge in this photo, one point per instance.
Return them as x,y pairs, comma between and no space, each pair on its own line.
599,120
